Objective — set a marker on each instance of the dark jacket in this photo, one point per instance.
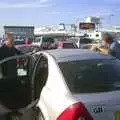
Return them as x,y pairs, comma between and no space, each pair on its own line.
9,67
8,52
115,49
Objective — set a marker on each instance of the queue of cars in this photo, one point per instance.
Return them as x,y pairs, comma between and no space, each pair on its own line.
49,43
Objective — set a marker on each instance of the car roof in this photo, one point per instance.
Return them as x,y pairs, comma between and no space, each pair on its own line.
62,55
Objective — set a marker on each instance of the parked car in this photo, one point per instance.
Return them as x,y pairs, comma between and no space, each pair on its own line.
45,43
77,84
66,44
84,41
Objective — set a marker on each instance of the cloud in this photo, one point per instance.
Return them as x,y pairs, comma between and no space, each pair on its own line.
37,4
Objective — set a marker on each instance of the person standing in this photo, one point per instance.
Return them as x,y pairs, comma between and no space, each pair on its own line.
105,46
9,79
8,49
112,46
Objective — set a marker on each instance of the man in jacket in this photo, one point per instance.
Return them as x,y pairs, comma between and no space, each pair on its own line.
9,80
8,49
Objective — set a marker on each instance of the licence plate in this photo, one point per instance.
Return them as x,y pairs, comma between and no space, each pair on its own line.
117,116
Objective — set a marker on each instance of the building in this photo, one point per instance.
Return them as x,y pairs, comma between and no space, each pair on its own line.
20,31
91,19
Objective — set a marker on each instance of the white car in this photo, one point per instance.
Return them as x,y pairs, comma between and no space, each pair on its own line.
84,41
77,85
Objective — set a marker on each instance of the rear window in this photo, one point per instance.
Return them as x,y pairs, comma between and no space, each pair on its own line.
69,45
90,76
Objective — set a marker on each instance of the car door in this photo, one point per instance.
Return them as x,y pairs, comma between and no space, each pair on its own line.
15,82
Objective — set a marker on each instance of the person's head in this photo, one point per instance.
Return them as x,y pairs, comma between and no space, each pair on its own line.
9,40
108,39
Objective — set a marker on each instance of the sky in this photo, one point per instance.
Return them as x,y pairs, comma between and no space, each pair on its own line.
51,12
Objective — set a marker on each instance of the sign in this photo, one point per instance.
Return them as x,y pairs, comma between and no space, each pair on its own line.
86,26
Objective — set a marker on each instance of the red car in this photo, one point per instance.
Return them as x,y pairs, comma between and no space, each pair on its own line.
66,44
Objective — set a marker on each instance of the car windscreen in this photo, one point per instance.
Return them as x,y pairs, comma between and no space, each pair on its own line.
91,76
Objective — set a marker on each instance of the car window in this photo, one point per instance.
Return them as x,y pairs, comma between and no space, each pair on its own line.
41,74
14,64
89,76
15,81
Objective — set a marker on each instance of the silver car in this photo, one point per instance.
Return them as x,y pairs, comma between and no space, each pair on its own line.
77,85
